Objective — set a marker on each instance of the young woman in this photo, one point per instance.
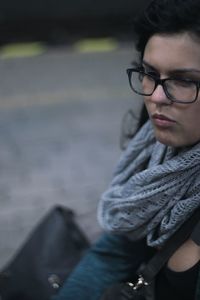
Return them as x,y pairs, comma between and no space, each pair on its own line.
156,186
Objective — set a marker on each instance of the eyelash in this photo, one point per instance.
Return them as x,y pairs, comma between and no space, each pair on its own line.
142,69
154,73
151,72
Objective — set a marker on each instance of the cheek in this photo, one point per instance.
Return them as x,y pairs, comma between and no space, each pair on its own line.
147,103
191,116
192,125
189,124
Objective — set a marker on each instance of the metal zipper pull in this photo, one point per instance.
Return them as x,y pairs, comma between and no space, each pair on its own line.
139,284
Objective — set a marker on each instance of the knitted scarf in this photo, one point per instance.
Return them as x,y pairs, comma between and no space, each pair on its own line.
154,189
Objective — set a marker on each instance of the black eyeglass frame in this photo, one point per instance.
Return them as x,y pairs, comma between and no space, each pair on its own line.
161,82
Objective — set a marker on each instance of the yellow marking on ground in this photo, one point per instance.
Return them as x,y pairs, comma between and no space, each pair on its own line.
96,45
21,50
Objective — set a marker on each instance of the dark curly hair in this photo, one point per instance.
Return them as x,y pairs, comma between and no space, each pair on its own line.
162,17
167,17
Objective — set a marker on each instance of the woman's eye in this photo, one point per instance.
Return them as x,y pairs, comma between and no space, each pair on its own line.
183,83
152,73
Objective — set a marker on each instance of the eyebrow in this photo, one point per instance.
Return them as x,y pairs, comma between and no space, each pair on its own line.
182,70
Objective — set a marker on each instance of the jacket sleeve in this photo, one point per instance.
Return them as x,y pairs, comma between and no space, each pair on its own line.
112,259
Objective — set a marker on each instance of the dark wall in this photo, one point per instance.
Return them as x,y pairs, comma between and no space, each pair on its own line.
13,10
58,21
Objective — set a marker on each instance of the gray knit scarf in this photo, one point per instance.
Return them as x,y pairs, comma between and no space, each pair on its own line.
154,189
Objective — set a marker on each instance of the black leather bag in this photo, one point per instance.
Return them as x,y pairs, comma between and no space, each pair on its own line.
46,258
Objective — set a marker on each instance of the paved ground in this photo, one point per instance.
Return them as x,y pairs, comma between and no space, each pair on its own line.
60,118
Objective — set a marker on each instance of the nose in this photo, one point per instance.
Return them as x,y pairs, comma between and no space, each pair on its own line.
159,96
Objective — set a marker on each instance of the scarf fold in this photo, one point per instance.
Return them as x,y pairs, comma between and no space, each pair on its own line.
153,191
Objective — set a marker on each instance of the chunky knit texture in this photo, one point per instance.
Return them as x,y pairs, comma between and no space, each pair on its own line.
154,190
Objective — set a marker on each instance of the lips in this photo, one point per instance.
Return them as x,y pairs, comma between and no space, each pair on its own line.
162,117
162,120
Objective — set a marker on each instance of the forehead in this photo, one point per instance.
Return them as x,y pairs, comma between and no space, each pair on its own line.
174,51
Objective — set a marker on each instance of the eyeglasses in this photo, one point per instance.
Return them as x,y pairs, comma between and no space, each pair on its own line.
176,89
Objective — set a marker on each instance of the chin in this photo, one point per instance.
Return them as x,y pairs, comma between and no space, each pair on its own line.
175,139
167,140
167,143
173,142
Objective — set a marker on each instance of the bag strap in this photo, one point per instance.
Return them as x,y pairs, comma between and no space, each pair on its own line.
150,270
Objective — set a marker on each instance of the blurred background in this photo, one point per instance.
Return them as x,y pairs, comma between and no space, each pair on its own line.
63,20
63,95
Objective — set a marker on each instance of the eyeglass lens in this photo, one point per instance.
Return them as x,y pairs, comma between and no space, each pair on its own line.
175,89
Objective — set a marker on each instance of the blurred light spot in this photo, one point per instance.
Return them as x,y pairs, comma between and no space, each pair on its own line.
96,45
21,50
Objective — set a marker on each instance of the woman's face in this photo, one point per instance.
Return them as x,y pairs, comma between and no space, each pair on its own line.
177,55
